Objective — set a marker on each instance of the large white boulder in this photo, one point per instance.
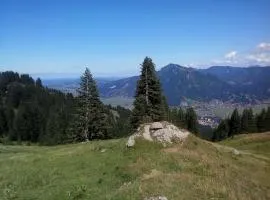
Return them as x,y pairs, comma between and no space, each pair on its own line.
163,132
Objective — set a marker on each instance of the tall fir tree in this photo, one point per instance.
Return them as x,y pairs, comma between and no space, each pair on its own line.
261,119
191,121
221,132
181,117
235,123
166,109
252,127
149,103
28,123
39,83
90,115
267,120
3,122
245,121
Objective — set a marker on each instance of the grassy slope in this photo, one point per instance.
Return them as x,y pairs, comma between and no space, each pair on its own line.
251,143
195,170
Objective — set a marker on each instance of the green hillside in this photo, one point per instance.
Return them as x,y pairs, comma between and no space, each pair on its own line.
108,170
253,143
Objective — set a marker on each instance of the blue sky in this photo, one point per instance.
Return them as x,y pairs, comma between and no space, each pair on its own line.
112,38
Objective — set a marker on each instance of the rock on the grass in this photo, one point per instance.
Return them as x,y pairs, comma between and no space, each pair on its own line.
163,132
235,152
156,198
131,141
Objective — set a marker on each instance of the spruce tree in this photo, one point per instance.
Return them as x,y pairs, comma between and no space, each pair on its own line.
252,127
261,118
267,120
181,117
91,119
221,132
166,109
235,124
148,104
191,121
38,82
3,122
245,121
28,123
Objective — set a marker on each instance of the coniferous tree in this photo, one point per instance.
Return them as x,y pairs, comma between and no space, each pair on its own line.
261,118
191,121
39,82
245,121
267,120
91,119
252,127
3,122
166,109
174,116
221,132
235,123
27,105
148,104
181,117
28,123
54,130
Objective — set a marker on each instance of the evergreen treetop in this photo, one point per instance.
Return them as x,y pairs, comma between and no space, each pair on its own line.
149,101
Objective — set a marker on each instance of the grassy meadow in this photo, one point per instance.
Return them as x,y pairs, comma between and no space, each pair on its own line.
196,169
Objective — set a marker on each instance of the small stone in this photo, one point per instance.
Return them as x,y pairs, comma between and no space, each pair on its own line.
103,150
235,152
156,198
131,141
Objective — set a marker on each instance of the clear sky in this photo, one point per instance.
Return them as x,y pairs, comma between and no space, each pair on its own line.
112,37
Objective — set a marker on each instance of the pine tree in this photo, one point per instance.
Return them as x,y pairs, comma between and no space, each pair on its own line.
3,122
181,117
261,118
235,124
252,127
191,121
174,116
267,120
245,121
54,132
91,119
28,123
148,104
221,131
38,82
166,109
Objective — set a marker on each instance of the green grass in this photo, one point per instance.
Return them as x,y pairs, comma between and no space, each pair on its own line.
255,143
194,170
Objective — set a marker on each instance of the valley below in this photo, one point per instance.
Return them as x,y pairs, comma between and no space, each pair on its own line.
213,92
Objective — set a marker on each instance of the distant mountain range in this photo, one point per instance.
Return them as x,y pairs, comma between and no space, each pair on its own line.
180,83
219,82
